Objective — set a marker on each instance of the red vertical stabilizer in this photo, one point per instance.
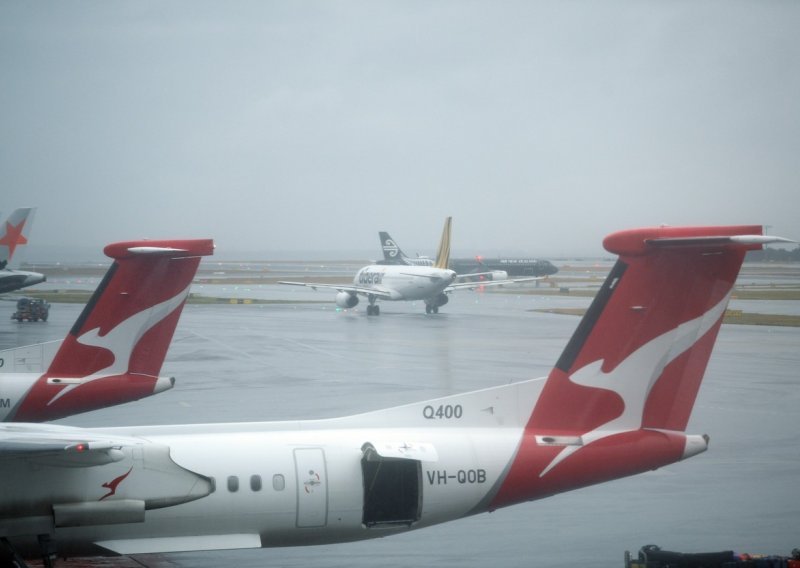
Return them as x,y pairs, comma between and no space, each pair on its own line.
619,398
115,350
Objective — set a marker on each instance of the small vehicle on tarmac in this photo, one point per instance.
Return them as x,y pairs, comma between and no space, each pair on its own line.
31,309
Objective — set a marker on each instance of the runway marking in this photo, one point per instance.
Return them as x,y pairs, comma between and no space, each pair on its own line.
271,338
226,346
311,347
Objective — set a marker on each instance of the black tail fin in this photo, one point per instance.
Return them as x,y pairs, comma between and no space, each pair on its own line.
391,251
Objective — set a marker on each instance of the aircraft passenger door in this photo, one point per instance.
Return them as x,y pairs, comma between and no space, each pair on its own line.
312,487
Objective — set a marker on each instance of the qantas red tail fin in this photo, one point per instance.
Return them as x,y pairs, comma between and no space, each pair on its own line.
639,354
114,352
620,396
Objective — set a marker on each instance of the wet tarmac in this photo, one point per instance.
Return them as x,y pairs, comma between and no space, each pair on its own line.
265,362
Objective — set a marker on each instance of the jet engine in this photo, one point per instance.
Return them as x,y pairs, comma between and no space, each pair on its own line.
441,300
346,300
499,275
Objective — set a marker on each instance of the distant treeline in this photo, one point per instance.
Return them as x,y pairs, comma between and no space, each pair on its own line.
773,255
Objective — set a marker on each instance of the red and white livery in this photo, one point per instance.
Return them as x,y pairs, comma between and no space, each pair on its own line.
616,403
114,352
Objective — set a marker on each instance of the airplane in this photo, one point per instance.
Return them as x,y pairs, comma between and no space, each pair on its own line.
496,268
616,403
392,254
14,237
401,282
511,266
114,351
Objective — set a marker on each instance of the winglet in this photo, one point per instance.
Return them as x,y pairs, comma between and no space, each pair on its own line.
115,349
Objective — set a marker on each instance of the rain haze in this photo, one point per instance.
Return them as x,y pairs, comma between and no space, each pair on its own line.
304,128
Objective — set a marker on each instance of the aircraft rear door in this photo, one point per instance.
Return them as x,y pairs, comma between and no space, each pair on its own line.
393,482
312,487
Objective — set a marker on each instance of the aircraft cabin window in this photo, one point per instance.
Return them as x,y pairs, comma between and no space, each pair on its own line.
278,482
255,482
233,484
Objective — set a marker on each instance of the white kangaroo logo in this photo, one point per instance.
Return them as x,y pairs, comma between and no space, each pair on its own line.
627,380
123,338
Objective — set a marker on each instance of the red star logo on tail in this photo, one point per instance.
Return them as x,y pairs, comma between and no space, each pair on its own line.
13,237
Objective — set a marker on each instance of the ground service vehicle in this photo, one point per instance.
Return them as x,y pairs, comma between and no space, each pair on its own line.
31,309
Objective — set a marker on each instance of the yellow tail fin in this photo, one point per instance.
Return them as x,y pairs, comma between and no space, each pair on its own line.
443,254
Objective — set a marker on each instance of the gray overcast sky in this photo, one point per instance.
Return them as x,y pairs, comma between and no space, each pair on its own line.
539,126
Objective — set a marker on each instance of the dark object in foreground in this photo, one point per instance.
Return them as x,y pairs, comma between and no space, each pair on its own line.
651,556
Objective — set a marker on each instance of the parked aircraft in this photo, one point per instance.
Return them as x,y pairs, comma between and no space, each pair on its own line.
510,265
114,352
393,255
14,237
485,268
617,403
430,284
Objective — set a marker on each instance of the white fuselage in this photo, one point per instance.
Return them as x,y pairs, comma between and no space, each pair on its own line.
310,482
13,389
20,368
405,282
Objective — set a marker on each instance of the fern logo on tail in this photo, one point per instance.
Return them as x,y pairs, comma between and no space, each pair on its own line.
391,248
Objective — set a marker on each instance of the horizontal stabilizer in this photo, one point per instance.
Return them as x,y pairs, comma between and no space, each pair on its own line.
173,248
717,241
636,242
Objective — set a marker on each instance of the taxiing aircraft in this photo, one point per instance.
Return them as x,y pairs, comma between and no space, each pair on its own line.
14,237
617,403
114,352
406,283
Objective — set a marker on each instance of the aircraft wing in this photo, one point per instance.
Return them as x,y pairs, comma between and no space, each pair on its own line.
59,446
380,293
485,283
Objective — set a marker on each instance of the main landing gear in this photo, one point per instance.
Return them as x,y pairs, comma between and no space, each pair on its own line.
432,304
373,309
